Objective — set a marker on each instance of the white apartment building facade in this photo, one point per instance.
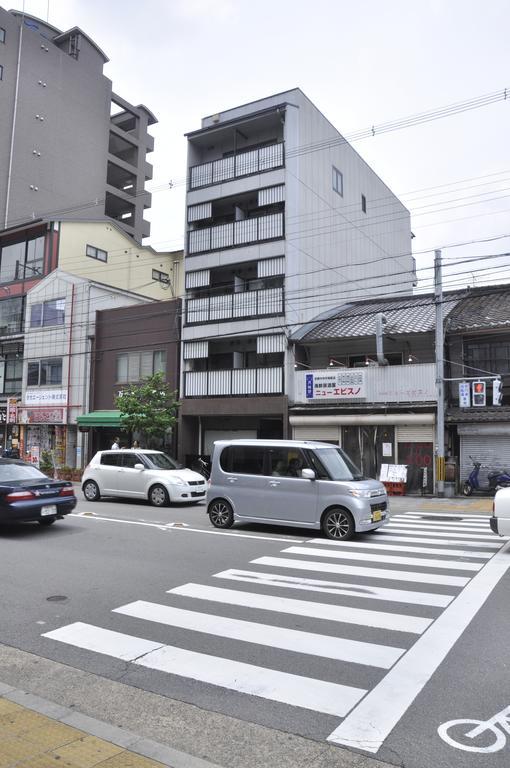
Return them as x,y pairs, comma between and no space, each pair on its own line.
284,221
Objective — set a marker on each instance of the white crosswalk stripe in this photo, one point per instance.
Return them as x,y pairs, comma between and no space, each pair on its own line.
363,607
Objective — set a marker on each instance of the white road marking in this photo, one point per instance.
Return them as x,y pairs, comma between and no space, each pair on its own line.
388,536
337,588
294,640
440,527
173,527
298,691
419,562
344,614
355,570
398,548
370,723
440,524
424,531
441,515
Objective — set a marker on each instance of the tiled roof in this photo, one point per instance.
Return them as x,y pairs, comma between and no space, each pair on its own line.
410,314
477,415
485,309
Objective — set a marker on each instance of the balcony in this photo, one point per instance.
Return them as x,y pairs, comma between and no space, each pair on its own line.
210,309
236,382
236,233
373,384
237,165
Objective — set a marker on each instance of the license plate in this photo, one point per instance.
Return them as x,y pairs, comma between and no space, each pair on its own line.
50,509
376,516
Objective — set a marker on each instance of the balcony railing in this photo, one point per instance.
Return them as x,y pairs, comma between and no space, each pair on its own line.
242,164
208,309
235,233
236,382
373,384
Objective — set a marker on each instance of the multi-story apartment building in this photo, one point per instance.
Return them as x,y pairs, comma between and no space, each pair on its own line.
69,145
284,221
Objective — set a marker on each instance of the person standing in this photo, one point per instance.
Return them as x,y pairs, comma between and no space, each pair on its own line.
116,444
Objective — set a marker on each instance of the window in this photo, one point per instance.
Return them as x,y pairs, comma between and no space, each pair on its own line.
11,316
2,35
50,312
21,260
129,460
135,366
96,253
338,181
1,72
286,462
161,277
13,375
363,203
74,45
111,459
243,459
491,356
45,372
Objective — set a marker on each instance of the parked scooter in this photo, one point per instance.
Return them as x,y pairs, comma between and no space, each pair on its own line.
495,480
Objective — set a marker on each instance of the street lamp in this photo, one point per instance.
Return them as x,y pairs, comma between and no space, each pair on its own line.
333,362
297,364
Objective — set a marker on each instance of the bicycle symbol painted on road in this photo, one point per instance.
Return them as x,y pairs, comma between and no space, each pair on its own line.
491,734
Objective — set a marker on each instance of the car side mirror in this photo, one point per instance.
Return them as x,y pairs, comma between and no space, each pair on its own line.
139,466
308,474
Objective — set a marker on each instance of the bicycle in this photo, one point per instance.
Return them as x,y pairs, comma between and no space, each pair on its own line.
498,726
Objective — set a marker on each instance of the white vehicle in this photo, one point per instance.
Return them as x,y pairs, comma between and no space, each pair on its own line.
500,520
296,483
140,474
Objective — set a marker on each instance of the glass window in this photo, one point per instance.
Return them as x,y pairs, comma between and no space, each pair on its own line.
122,368
243,459
286,462
33,375
161,277
111,459
11,316
161,461
20,471
338,181
12,257
1,72
96,253
2,35
337,464
13,373
135,366
51,312
363,203
51,371
34,264
159,361
129,460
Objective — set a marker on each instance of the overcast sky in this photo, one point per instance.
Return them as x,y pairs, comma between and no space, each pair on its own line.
362,63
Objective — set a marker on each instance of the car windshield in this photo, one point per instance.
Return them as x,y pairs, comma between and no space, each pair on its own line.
338,465
161,461
16,472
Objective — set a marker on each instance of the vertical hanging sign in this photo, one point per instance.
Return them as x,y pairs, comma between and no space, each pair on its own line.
464,394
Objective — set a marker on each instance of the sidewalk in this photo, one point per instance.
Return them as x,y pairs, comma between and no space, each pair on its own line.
459,505
36,733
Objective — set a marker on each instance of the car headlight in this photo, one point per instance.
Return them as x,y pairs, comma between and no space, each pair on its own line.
360,494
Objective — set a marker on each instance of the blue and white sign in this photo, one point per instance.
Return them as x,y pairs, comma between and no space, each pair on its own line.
464,394
335,385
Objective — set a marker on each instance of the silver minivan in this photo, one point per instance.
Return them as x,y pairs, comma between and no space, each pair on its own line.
295,483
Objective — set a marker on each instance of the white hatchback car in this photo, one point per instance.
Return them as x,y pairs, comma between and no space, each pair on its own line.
140,474
500,520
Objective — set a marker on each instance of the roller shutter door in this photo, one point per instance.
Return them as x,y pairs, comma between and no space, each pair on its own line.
330,434
493,451
415,433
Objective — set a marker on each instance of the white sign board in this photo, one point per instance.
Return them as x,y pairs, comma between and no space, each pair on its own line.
393,473
335,385
46,397
464,394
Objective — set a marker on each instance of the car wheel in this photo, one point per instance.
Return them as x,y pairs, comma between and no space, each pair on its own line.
158,496
221,513
49,521
91,490
467,489
338,524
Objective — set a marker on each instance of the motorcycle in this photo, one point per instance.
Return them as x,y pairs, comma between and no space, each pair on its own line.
495,480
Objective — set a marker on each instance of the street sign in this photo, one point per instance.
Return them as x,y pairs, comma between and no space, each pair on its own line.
478,393
497,394
464,394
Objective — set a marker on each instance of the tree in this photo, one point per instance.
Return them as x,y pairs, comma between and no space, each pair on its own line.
149,408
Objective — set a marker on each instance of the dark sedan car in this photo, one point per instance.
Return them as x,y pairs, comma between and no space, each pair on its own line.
28,495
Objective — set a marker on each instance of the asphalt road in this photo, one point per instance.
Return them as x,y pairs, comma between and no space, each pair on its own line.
371,645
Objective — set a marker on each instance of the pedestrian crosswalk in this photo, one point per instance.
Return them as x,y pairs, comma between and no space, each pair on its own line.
324,626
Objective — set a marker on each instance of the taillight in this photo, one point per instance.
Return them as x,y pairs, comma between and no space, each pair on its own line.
67,490
20,496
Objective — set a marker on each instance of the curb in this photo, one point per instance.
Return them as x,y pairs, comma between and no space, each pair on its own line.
173,758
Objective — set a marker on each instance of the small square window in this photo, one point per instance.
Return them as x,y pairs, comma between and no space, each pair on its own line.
161,277
2,35
363,203
338,181
96,253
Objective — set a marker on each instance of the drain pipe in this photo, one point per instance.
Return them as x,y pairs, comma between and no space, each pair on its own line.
14,115
380,322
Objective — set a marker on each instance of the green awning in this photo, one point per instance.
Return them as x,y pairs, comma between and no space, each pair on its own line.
100,419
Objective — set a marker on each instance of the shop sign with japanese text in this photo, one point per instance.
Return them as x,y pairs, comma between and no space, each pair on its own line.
45,397
335,385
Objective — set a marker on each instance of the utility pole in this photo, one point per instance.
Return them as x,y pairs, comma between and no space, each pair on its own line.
438,299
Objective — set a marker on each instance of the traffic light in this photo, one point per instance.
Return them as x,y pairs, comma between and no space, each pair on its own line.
479,393
497,393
